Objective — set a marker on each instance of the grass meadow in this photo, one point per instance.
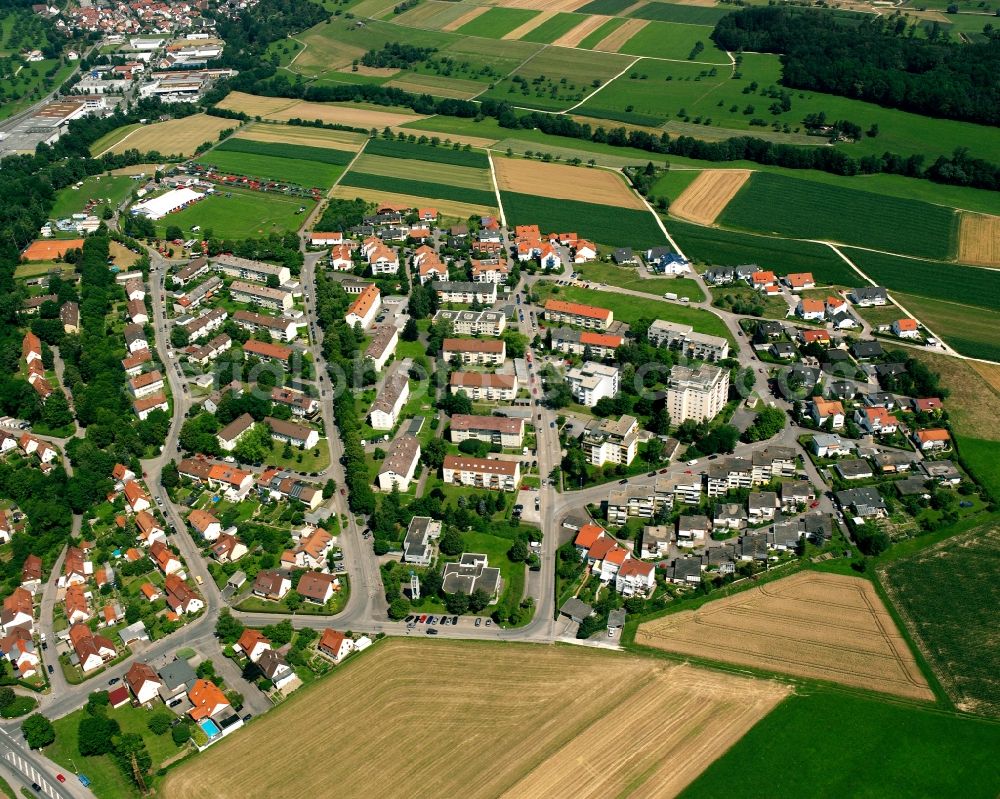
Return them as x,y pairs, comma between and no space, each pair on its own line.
948,596
393,148
674,40
729,248
601,33
971,331
72,200
285,170
602,224
691,15
629,309
553,28
627,277
237,214
835,744
770,203
497,22
418,188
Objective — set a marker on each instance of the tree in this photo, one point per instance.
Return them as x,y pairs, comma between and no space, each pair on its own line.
133,758
7,696
329,489
451,542
398,608
38,731
181,732
410,330
206,670
173,232
56,412
254,445
280,633
170,476
179,336
159,722
478,600
769,422
293,601
228,628
518,552
457,603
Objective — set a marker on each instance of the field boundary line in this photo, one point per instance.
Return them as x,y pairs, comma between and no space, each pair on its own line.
496,187
602,86
315,212
123,138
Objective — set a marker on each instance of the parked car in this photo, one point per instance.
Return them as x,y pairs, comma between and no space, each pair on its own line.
408,619
114,680
60,777
479,622
51,669
432,631
248,716
489,622
454,619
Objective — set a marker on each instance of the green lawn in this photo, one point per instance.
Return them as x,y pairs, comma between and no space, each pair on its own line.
107,780
629,308
99,188
776,204
980,457
717,247
497,22
628,278
833,744
310,462
109,140
242,214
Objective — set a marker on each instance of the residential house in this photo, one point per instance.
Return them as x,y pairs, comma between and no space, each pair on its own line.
635,578
507,431
383,345
272,584
317,587
389,402
829,445
906,328
877,421
854,469
252,643
335,644
822,409
275,668
143,682
761,506
868,296
479,386
206,699
865,502
655,541
166,561
472,573
181,598
481,472
229,436
206,524
228,548
297,435
92,651
928,440
691,530
399,465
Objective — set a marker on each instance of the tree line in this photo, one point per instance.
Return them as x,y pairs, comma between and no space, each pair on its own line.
873,58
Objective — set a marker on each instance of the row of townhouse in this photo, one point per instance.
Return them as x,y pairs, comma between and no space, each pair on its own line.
612,563
585,342
464,292
683,338
389,402
476,352
382,347
31,357
262,296
208,322
574,313
481,472
484,387
200,294
365,308
505,431
209,351
473,323
382,260
279,327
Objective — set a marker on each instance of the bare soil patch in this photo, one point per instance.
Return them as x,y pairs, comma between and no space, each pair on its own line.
979,239
572,38
708,195
560,181
819,626
491,714
254,105
617,38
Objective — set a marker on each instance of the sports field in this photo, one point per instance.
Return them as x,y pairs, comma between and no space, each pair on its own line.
819,626
561,181
770,203
708,195
948,597
979,240
484,720
175,136
237,214
836,745
716,247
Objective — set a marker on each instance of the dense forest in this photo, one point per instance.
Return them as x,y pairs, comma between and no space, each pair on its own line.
872,59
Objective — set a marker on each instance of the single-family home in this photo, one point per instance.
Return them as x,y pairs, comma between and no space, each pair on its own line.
143,682
335,644
252,643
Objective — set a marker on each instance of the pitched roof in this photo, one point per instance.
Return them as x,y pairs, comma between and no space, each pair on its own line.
479,465
265,349
577,309
315,585
587,535
331,639
205,696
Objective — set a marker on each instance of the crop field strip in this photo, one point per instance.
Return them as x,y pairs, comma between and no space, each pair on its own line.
948,597
418,188
771,203
519,700
979,240
623,33
708,195
819,626
674,40
449,208
602,224
298,134
176,136
298,152
586,27
446,174
969,331
599,33
497,22
281,110
718,247
428,152
292,163
688,14
967,285
553,28
562,181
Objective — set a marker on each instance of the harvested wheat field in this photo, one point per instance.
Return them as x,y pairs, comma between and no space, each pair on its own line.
561,181
617,38
543,5
821,626
176,136
573,37
990,372
309,137
473,719
352,115
254,105
708,195
979,239
449,208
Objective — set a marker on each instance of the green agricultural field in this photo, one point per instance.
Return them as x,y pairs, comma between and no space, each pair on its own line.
553,28
100,188
971,331
674,40
608,7
302,152
630,309
671,184
472,55
770,203
418,188
426,171
558,78
595,37
237,214
109,140
948,596
393,148
307,174
614,227
966,285
727,248
497,22
669,12
887,749
979,455
628,278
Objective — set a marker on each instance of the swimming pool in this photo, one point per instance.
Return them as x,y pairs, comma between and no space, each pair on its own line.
210,727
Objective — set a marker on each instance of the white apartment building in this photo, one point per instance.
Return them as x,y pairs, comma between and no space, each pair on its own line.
698,393
611,441
593,382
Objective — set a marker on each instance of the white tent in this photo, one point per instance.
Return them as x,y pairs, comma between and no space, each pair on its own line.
174,200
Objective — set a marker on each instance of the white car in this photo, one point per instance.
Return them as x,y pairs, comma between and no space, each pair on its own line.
693,463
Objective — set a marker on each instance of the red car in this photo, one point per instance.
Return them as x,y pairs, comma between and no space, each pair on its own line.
342,492
60,777
814,503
